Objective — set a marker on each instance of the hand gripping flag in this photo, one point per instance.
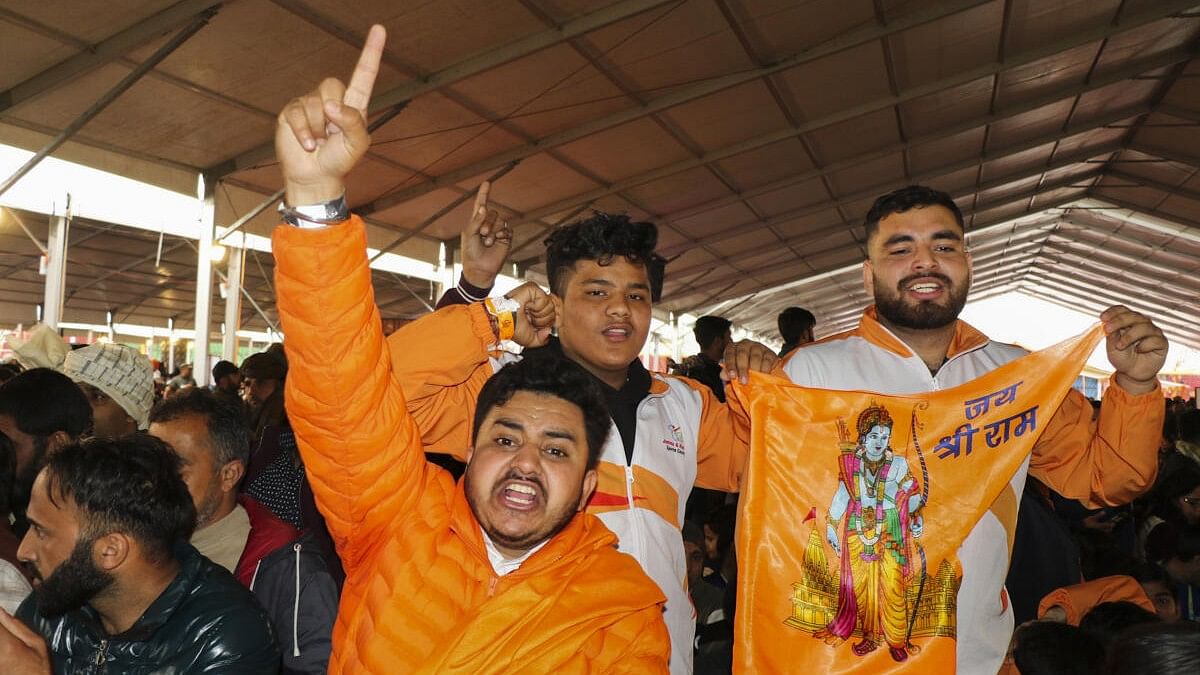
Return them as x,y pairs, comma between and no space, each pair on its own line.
870,584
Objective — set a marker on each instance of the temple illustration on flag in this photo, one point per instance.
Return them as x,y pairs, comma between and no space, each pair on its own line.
814,597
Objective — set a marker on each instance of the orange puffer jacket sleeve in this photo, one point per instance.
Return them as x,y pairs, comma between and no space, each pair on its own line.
361,449
442,361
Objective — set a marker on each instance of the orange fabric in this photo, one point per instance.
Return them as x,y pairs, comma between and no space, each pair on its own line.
802,604
1101,464
1079,599
442,385
421,595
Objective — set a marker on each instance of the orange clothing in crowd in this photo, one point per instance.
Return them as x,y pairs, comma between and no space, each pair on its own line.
421,595
1079,599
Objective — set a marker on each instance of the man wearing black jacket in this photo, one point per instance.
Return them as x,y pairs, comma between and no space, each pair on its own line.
117,587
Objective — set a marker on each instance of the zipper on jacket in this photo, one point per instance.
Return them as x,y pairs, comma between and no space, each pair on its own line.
295,604
102,654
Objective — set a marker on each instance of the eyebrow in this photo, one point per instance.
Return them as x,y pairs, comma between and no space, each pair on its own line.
510,424
908,238
609,284
561,433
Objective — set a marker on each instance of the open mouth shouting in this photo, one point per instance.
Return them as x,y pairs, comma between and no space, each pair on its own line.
520,494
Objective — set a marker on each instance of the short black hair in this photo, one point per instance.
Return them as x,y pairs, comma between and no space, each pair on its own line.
556,376
906,199
1107,620
223,368
42,401
129,484
793,322
225,422
601,238
1162,649
1051,648
710,328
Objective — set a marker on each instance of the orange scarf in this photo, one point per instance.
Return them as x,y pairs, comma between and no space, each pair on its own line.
855,504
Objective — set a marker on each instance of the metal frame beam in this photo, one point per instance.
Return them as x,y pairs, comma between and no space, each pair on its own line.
927,176
1160,10
199,21
108,50
685,94
458,71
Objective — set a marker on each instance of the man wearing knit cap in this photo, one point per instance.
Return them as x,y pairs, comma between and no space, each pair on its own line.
118,382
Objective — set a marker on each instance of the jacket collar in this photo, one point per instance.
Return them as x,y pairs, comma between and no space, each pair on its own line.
160,611
638,381
966,337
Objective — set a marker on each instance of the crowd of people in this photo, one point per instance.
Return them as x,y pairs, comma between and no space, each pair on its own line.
503,484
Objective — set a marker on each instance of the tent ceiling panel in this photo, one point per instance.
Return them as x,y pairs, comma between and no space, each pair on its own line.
89,21
1033,124
1032,80
965,40
706,120
1119,95
837,82
803,194
1157,36
883,171
715,220
783,27
947,150
677,192
767,164
432,35
947,107
1034,23
238,54
853,137
626,150
657,50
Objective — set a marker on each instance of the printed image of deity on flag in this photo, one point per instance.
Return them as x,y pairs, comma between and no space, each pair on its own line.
855,505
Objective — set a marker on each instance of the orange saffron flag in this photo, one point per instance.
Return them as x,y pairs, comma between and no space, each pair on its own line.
870,584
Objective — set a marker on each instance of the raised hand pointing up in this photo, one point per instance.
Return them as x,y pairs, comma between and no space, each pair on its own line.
320,136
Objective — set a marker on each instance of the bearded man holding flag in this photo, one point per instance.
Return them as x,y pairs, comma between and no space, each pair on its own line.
918,585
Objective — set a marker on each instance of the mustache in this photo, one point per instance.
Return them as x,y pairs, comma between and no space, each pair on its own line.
931,275
513,474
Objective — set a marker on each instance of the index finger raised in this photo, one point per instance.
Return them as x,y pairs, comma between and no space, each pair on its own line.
358,93
481,200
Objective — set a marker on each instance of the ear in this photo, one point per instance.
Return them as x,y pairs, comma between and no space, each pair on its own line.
111,551
58,439
589,486
869,278
231,475
558,310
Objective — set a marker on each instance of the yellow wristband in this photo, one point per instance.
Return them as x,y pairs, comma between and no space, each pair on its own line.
505,315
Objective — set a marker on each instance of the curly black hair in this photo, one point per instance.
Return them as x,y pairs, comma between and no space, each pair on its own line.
906,199
556,376
130,484
601,238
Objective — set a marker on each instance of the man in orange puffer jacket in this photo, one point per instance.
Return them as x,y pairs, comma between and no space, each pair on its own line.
501,571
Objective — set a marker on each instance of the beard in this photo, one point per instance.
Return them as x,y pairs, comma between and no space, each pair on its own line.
74,583
552,524
208,505
924,315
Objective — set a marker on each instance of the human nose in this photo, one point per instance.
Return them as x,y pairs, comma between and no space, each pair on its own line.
525,459
618,306
924,260
25,549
